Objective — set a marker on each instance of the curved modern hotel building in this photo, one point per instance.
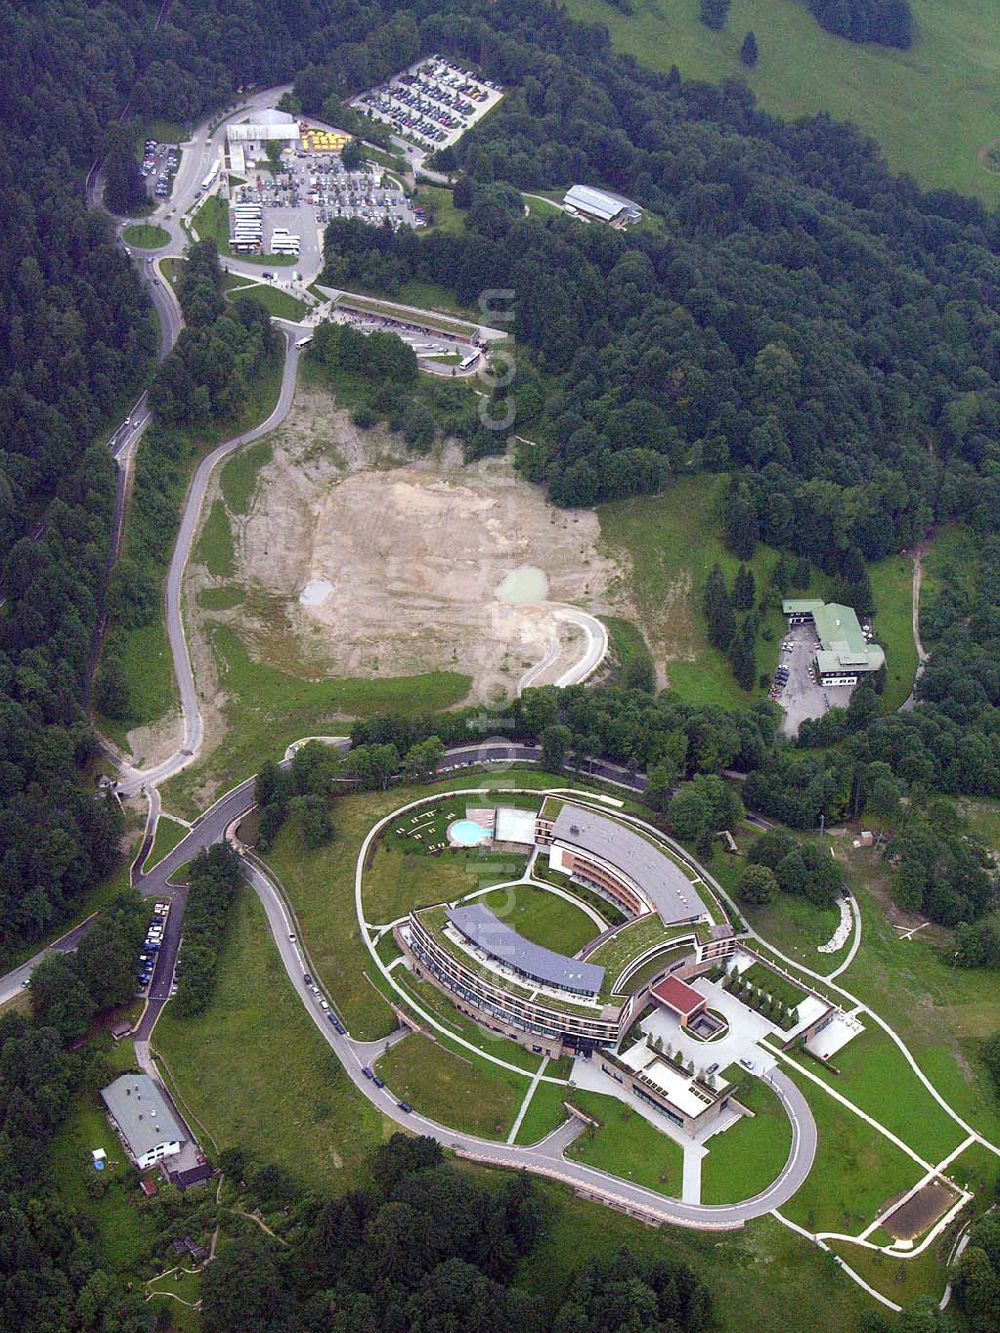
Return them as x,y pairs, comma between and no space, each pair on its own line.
540,998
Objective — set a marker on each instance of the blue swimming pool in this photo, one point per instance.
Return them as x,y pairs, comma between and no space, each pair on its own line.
467,833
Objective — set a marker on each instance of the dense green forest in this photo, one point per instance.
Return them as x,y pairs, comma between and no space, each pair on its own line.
426,1248
887,22
791,309
53,1274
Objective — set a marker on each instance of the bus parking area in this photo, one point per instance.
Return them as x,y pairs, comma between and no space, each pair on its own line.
284,211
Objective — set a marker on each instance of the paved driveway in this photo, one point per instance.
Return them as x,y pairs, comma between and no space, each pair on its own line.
746,1028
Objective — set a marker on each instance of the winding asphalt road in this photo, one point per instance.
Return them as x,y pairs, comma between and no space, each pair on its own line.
544,1158
198,154
132,779
584,667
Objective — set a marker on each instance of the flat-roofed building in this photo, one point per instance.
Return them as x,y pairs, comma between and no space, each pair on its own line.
619,863
543,1000
601,205
144,1119
533,962
265,125
690,1101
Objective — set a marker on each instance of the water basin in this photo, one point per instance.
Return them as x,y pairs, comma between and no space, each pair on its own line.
315,592
523,585
467,833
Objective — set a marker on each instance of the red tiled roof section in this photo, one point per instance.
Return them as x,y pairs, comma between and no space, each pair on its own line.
678,995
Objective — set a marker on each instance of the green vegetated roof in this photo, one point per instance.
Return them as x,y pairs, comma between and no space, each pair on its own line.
843,640
800,606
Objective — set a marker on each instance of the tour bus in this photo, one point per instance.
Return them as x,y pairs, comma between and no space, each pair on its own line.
303,342
470,361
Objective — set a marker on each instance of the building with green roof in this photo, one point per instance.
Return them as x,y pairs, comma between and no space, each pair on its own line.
845,653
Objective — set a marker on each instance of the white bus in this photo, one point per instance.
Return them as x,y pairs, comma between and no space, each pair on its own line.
470,361
207,182
304,342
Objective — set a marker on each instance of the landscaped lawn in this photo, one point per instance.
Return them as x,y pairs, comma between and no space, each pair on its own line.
256,1073
628,943
931,108
545,1111
874,1075
275,301
460,1091
626,1145
774,985
397,883
672,541
942,1012
795,926
145,235
434,1002
856,1171
542,917
745,1158
320,886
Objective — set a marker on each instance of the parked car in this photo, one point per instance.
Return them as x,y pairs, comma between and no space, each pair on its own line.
405,1106
307,978
367,1072
379,1082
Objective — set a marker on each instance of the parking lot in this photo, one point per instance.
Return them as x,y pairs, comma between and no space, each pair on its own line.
159,166
801,696
432,103
313,188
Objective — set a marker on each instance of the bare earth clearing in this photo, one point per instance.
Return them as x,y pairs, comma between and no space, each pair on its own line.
358,560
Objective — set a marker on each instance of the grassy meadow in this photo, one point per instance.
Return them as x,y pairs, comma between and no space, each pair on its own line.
932,109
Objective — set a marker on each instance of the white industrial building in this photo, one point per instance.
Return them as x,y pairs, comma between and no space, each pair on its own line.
601,205
266,125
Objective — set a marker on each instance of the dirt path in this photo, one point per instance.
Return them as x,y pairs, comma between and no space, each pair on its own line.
918,574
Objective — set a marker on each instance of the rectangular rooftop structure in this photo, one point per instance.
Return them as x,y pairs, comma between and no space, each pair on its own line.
144,1117
659,880
601,204
478,924
678,996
